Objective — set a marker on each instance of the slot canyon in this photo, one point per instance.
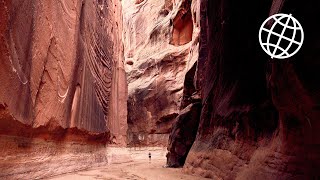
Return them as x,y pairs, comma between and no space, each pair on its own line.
156,89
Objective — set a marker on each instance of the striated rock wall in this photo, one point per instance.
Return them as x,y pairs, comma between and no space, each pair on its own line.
159,47
259,117
117,116
62,75
63,65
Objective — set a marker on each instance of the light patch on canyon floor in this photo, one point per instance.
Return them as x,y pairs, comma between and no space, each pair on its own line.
137,168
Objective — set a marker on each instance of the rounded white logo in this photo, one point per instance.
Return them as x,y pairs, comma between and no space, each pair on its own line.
284,38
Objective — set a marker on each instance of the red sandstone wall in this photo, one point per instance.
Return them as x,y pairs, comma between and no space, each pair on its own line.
62,62
160,46
61,76
259,117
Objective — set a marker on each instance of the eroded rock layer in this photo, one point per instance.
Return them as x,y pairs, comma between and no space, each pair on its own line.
159,43
259,117
62,76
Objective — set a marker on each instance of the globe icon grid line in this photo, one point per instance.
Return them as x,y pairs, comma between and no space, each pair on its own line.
283,37
279,39
296,28
277,47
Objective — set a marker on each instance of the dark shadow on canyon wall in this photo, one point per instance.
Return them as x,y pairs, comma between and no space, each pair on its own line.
259,117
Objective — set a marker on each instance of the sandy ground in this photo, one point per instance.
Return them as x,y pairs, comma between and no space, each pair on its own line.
131,164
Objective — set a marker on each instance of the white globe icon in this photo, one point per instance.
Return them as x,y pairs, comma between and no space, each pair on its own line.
284,38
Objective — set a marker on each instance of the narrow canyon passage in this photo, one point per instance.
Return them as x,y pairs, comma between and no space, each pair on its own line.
88,88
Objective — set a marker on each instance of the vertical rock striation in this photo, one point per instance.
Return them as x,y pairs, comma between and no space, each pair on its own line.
62,75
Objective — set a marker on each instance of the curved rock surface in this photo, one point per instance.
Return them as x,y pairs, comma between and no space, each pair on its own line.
159,42
259,117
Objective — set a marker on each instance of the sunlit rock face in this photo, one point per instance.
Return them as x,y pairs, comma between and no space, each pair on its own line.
160,40
259,117
62,76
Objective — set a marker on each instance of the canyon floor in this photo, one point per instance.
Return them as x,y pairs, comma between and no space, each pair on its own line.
130,164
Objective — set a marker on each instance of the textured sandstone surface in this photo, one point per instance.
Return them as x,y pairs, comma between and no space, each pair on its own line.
64,63
259,117
183,134
159,47
37,158
62,78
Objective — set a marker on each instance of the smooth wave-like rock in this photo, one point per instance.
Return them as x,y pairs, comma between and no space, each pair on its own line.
159,47
259,116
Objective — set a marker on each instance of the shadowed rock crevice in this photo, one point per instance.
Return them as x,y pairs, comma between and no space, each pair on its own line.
185,128
183,135
182,25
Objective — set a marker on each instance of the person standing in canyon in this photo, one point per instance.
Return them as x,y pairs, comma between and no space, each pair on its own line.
149,157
